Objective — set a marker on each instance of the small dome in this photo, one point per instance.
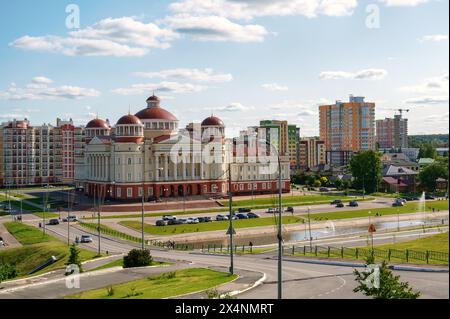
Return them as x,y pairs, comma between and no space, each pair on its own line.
212,121
97,123
129,119
153,98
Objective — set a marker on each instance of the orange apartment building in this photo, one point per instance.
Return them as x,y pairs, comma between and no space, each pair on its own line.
346,128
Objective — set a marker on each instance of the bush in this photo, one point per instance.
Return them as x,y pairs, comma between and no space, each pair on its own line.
74,258
7,271
137,258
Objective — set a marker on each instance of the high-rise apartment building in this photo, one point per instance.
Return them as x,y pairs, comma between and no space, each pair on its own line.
35,155
312,152
347,127
392,132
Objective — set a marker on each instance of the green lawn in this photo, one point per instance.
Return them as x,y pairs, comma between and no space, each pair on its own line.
37,248
16,204
437,242
288,200
119,263
408,208
48,215
161,286
203,227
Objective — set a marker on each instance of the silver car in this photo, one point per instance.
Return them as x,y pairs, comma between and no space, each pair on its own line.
221,217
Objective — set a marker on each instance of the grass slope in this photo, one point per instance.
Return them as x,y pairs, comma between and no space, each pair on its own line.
437,242
203,227
162,286
37,249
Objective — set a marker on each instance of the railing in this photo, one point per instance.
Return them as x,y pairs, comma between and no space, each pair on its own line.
406,255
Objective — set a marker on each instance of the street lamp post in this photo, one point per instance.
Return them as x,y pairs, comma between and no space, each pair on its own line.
309,226
231,230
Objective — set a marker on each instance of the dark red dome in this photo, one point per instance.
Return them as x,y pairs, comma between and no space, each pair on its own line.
129,119
97,123
156,113
153,98
212,121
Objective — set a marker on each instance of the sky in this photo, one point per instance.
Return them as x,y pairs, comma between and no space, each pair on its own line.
241,60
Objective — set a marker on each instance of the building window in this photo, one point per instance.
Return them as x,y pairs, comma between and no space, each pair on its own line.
129,176
140,191
129,192
150,191
129,160
119,192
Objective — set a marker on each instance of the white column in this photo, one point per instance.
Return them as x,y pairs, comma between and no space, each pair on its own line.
166,167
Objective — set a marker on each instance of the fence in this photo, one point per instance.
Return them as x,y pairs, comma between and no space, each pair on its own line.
115,233
408,255
216,248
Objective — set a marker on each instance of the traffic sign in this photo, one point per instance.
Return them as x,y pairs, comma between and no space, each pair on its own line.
372,228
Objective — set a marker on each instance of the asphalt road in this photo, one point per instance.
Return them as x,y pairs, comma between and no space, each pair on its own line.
300,280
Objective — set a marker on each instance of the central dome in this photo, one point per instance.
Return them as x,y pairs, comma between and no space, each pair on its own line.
154,111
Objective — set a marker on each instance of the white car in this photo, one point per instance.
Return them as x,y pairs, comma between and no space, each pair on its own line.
70,219
192,221
221,217
168,217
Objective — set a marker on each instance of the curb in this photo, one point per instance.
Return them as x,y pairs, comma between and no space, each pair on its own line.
349,264
256,284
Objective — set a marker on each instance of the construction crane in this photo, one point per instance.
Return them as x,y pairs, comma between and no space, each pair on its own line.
402,110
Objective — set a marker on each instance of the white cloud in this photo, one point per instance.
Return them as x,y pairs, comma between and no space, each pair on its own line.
430,85
402,3
428,100
274,87
234,107
197,75
366,74
108,37
214,28
164,87
39,90
249,9
434,38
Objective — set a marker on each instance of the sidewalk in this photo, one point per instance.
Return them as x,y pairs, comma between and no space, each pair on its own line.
9,240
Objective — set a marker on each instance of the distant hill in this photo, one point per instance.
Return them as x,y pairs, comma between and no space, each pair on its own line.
438,140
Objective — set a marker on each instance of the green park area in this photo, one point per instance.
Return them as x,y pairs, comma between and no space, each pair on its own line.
37,249
437,242
203,227
166,285
409,207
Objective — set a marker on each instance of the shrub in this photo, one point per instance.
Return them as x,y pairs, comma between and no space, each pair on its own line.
137,258
7,271
74,258
110,291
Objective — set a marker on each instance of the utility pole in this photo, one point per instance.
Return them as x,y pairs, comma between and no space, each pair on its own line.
231,230
309,226
68,217
98,219
143,199
280,239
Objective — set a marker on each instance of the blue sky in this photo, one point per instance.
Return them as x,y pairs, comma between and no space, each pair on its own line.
243,60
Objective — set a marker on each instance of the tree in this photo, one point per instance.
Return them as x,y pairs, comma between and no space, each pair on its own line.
366,170
7,271
427,150
324,181
317,183
390,286
338,183
432,172
74,257
137,258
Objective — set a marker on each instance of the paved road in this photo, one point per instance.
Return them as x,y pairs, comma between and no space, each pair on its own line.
301,280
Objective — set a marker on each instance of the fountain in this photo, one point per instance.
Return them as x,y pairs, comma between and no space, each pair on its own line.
421,207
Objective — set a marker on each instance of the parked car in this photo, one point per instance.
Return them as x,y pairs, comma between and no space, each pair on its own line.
242,216
160,223
324,189
221,217
53,221
339,205
175,221
397,203
353,203
86,239
70,218
205,219
168,217
253,215
191,220
430,197
182,221
270,211
336,201
290,209
244,210
401,200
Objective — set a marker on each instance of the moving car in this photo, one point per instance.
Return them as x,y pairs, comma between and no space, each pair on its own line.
290,209
244,210
353,203
336,201
242,216
398,203
53,221
253,215
86,239
160,222
71,218
339,205
270,211
221,217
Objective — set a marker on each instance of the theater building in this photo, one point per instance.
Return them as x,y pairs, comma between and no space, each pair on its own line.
146,154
